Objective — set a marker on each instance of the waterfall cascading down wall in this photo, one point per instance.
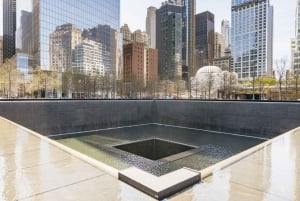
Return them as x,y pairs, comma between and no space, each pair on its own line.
263,119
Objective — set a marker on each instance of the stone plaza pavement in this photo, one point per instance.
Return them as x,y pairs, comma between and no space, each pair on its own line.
33,168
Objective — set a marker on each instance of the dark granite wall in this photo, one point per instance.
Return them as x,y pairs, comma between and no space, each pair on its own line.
55,117
263,119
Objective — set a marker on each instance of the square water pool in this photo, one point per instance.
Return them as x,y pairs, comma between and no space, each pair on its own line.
158,149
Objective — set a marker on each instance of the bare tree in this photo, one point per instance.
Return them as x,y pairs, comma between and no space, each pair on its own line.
295,81
195,87
9,74
151,88
296,77
67,84
229,80
261,84
44,83
287,83
210,82
253,87
281,68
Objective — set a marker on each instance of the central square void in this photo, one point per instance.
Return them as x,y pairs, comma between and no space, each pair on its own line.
154,149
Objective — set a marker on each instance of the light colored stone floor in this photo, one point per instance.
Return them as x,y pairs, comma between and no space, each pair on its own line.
33,169
271,174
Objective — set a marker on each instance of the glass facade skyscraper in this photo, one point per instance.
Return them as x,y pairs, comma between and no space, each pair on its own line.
252,38
185,8
9,28
295,46
48,31
188,33
205,38
169,41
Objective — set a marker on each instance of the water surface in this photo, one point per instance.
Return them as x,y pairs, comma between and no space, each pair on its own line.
210,147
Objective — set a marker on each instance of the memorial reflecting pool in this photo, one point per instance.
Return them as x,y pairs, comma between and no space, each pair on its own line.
178,147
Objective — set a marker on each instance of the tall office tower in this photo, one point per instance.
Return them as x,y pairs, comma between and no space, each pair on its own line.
186,8
1,49
62,45
169,41
151,26
9,28
88,58
295,46
225,31
205,38
252,38
126,34
219,45
188,38
88,15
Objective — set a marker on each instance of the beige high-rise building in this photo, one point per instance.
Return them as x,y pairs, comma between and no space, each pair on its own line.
140,37
219,45
62,45
225,31
1,49
125,30
151,26
224,62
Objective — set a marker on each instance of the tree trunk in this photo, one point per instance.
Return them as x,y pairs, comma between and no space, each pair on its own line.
280,89
9,85
297,83
286,89
253,88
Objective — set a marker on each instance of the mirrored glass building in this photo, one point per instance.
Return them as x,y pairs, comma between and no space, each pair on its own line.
252,38
54,34
175,29
9,28
295,57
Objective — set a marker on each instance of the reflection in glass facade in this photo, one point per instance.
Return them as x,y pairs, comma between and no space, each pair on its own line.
252,37
50,30
24,66
88,58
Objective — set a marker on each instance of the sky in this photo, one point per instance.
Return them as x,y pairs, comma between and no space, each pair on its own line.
134,14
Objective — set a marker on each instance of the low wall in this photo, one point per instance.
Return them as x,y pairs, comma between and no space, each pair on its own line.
263,119
56,117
